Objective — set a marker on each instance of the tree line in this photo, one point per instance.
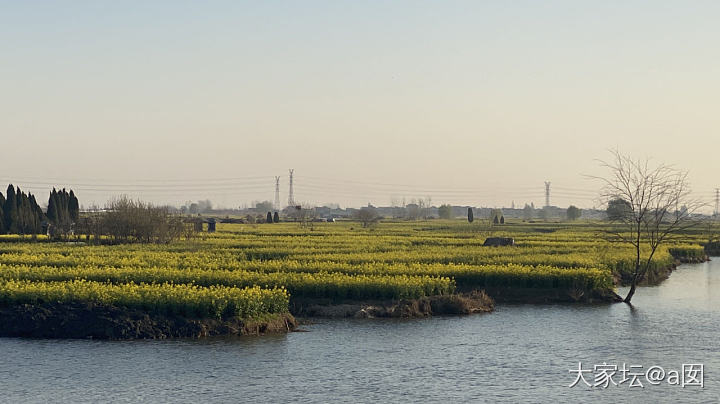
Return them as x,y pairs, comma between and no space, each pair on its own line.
125,220
21,214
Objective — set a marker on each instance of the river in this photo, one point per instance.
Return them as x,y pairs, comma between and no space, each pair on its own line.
519,353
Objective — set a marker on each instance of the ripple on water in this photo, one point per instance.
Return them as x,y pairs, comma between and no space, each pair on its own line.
520,353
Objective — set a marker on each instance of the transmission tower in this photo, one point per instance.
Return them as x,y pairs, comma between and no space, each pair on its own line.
717,202
547,193
277,193
291,197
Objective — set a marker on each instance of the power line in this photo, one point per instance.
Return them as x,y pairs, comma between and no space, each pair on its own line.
254,188
101,181
415,190
316,187
113,187
257,182
369,191
397,185
576,190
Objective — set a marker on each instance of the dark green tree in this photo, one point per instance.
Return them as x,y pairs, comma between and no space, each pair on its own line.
29,215
20,212
276,218
496,216
73,207
470,215
269,218
2,216
23,217
10,211
52,212
618,209
573,212
445,212
63,211
37,215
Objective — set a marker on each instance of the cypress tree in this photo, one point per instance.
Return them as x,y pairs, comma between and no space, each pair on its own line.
67,206
269,218
41,217
36,215
10,210
276,218
470,215
2,216
58,206
22,209
29,213
63,213
73,207
21,214
68,219
52,213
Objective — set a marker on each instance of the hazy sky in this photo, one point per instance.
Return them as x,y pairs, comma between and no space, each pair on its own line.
466,102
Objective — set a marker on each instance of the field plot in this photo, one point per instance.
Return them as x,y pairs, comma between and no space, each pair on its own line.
253,270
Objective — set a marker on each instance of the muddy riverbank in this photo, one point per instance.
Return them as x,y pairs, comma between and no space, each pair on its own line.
456,304
87,320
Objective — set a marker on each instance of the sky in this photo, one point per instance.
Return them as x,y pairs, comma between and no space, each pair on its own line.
465,102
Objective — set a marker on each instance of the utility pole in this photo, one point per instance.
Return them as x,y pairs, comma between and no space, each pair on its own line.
547,193
277,193
291,197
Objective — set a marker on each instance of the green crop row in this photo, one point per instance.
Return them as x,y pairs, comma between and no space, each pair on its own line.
298,284
167,298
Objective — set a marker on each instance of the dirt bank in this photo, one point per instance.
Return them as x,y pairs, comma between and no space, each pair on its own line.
466,303
53,320
545,296
656,277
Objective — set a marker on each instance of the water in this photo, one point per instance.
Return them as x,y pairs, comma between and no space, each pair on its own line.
520,353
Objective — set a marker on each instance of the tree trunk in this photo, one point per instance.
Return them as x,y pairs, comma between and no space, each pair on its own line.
636,275
630,293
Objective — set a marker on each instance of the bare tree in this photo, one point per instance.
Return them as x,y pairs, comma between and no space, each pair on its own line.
127,220
658,207
367,215
413,210
305,214
418,208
